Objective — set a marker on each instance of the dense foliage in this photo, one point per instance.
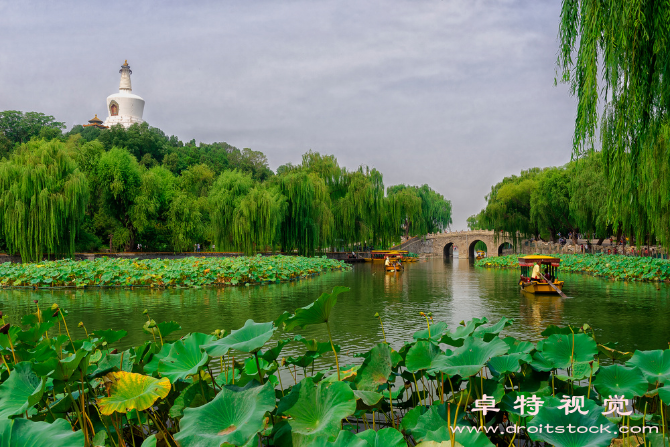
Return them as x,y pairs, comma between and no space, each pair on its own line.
236,389
544,203
139,188
616,58
608,266
185,272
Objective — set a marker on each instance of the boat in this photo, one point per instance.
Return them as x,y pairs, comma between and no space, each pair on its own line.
548,263
410,257
395,263
380,255
481,254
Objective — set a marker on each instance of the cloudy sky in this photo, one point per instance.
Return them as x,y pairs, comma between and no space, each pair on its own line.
456,94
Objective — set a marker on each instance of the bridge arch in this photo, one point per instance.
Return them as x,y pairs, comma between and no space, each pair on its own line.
471,248
504,246
448,250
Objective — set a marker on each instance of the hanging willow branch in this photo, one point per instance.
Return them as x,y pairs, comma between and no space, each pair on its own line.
43,197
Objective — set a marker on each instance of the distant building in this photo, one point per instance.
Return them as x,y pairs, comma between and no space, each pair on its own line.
124,108
95,122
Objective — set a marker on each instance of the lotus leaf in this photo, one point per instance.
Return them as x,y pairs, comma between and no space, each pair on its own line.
517,346
470,358
386,437
249,338
186,357
60,369
508,363
489,332
368,398
320,408
344,439
110,336
21,391
655,365
24,432
317,312
563,350
191,397
376,369
464,437
234,417
149,442
152,366
618,380
437,331
425,355
551,415
607,349
114,362
130,391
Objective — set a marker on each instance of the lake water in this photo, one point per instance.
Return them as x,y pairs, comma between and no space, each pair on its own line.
633,314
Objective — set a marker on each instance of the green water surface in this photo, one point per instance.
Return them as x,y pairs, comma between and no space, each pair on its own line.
633,314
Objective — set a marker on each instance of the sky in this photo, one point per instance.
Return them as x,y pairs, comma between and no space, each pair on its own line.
456,94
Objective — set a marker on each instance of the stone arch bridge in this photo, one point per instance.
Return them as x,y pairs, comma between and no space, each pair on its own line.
463,242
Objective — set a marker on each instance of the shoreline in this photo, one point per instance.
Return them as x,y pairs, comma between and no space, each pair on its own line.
613,267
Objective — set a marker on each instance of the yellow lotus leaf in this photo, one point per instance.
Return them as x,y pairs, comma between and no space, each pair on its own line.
130,391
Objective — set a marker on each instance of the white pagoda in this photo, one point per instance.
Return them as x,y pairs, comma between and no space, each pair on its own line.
124,108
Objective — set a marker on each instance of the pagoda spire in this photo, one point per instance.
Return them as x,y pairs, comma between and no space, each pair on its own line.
125,77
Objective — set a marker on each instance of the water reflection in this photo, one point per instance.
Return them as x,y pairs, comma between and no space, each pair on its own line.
636,315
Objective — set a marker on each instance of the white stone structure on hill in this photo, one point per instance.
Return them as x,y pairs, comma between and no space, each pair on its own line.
124,108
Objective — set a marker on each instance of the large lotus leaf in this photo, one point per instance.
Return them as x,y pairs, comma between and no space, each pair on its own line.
191,397
664,395
60,369
110,336
465,330
24,432
488,333
376,369
657,440
655,365
234,417
563,350
186,358
152,366
165,328
436,331
540,363
425,355
320,408
463,436
33,335
470,358
368,398
130,391
20,391
433,419
581,370
386,437
249,338
618,380
551,415
273,354
518,346
317,312
506,364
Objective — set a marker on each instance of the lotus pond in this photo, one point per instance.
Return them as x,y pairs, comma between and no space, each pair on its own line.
464,385
185,272
616,267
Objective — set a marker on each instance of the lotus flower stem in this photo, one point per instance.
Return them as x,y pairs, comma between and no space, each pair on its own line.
5,362
11,346
382,325
391,402
280,384
337,362
644,434
441,387
258,365
416,384
663,421
374,426
65,323
161,427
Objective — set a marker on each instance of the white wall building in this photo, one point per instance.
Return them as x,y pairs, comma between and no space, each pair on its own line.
124,108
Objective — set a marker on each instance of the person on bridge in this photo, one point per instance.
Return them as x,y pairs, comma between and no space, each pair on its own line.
536,271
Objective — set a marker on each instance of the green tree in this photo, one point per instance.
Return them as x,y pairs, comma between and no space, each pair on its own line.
588,195
120,179
43,196
20,127
550,203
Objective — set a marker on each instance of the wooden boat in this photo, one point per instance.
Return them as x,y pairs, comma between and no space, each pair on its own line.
395,264
533,285
481,254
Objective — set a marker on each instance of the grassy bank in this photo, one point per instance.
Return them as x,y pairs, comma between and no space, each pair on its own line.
186,272
608,266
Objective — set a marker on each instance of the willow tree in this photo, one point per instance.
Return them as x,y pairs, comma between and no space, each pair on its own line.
403,210
225,197
621,50
588,195
550,203
43,197
308,222
257,218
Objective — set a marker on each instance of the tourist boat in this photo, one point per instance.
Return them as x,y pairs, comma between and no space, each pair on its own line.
481,254
395,263
548,263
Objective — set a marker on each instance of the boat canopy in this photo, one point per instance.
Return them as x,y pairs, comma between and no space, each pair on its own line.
528,261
